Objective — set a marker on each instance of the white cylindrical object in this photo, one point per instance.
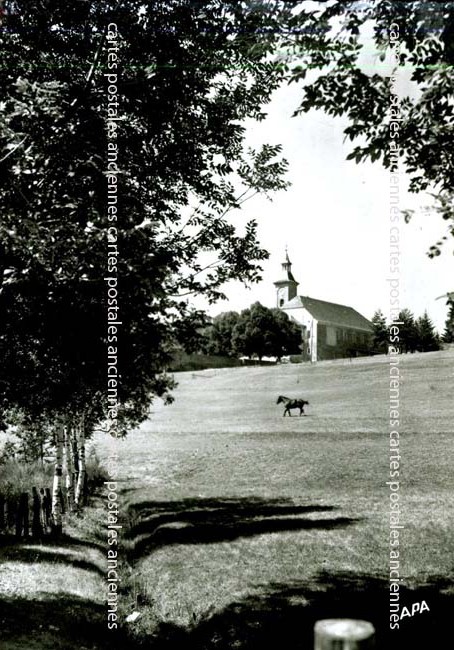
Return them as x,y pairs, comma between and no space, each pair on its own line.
343,634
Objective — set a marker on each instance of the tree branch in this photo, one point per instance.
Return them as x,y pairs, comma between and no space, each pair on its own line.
94,62
19,144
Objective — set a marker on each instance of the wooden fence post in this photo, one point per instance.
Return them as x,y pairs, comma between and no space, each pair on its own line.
22,520
11,507
47,508
20,516
37,527
25,514
18,519
343,634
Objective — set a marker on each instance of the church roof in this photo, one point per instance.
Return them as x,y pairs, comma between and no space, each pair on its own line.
287,277
330,313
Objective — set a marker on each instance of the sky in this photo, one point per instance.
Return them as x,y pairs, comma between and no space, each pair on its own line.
334,220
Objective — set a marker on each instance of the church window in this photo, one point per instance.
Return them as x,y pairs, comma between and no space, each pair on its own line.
331,336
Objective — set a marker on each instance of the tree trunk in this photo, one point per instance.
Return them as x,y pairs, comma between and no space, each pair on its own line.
75,454
56,489
69,468
81,458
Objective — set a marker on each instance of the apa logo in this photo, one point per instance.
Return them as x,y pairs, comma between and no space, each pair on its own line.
416,608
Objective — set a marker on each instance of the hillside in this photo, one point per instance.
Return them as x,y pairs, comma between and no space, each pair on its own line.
233,503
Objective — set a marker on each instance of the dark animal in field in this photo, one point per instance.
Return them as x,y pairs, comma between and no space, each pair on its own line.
291,403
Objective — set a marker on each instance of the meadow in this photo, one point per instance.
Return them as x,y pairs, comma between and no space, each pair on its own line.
246,526
242,527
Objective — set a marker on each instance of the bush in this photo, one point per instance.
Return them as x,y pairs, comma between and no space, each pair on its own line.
97,474
17,477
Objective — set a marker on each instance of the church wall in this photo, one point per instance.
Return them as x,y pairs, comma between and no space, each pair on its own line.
309,329
340,342
322,340
325,341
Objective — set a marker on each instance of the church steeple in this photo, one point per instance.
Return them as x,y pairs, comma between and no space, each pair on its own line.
286,286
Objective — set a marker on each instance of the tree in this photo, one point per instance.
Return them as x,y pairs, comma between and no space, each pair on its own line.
220,333
287,337
265,332
380,337
177,161
448,335
330,38
32,438
121,153
427,338
408,334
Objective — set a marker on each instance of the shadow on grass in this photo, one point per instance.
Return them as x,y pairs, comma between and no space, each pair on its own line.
205,521
33,554
11,546
283,616
59,623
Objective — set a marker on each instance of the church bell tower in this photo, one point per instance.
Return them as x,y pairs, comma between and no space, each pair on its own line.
286,286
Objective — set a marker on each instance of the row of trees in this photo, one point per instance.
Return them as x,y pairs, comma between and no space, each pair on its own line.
259,331
189,74
415,334
255,332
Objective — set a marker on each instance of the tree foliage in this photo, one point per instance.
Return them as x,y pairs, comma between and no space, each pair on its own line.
427,338
414,334
263,332
380,336
219,334
355,75
188,74
255,332
448,334
408,333
33,437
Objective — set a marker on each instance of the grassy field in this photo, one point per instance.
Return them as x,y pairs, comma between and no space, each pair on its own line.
246,526
242,527
52,593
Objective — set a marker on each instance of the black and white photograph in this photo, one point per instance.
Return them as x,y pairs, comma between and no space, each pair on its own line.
226,325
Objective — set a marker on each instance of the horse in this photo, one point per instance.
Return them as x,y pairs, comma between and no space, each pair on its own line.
291,403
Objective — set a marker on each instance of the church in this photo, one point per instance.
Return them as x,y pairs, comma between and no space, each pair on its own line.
329,330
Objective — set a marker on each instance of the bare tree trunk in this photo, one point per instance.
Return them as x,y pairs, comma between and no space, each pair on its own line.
75,454
81,458
56,489
69,468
